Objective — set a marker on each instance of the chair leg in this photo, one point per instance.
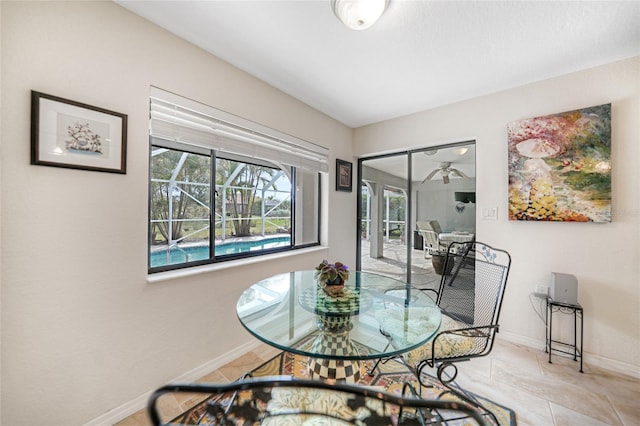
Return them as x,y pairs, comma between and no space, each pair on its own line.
371,372
447,380
431,417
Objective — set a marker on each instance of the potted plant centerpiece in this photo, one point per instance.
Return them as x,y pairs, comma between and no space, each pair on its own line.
331,277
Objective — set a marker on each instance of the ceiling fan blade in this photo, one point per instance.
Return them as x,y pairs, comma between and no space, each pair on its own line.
430,175
459,173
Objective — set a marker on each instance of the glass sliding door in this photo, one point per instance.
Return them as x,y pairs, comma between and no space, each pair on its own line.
384,215
400,194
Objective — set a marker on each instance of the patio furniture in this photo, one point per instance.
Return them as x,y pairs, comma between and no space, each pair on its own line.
293,313
430,231
470,297
447,238
285,401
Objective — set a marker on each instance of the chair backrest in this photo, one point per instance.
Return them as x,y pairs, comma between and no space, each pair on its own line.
430,231
429,225
286,401
431,240
473,283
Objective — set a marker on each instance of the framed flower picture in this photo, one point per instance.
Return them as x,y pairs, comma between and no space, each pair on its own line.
70,134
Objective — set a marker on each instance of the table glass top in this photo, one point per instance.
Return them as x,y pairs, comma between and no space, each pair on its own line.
292,312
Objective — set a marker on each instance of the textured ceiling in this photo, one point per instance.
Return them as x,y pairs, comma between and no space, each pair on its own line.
419,55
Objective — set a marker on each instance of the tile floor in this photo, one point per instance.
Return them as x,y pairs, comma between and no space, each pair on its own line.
516,376
394,264
521,377
513,375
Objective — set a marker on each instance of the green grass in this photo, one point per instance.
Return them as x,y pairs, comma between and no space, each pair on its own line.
271,227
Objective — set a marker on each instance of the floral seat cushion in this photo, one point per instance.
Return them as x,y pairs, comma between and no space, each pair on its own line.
294,406
407,326
448,345
340,404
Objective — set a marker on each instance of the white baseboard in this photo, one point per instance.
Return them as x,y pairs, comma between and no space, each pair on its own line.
589,358
612,365
117,414
521,340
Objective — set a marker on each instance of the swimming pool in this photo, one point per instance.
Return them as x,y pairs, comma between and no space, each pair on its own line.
191,254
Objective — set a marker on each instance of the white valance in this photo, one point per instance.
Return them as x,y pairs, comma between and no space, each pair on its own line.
177,119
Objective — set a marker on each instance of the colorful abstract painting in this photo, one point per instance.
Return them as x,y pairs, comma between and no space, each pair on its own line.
560,166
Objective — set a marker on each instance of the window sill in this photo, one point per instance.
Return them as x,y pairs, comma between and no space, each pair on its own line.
197,270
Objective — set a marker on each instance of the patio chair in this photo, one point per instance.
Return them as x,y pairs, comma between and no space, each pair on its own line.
470,298
430,231
283,400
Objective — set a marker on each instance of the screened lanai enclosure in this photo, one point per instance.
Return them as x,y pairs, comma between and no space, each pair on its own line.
251,206
394,211
222,187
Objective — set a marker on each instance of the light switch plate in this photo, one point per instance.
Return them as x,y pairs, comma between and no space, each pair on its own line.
490,213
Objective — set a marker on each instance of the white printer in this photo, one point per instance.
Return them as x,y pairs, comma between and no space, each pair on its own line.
564,288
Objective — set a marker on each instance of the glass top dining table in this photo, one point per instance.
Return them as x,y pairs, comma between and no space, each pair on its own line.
375,317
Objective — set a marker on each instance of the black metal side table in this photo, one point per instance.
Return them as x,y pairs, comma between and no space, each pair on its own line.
564,347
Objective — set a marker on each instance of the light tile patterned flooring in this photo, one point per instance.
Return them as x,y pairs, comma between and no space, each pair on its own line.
513,375
516,376
394,264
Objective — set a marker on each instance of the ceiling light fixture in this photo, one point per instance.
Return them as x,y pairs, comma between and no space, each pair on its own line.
460,151
358,14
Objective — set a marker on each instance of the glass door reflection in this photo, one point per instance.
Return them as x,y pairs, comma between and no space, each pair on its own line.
402,190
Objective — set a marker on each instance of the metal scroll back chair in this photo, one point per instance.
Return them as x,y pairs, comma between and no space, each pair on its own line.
470,296
283,400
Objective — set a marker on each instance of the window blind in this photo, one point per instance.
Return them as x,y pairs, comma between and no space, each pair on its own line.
180,120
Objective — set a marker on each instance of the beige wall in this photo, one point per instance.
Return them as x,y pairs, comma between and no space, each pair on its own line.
604,257
83,331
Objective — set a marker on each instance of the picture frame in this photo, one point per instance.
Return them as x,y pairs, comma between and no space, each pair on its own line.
343,175
70,134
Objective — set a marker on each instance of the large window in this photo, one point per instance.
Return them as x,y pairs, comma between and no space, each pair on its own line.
211,200
180,207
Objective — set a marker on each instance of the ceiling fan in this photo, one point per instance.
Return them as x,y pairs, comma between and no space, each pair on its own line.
445,169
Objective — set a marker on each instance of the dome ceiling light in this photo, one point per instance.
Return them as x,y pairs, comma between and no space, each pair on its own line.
460,151
358,14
